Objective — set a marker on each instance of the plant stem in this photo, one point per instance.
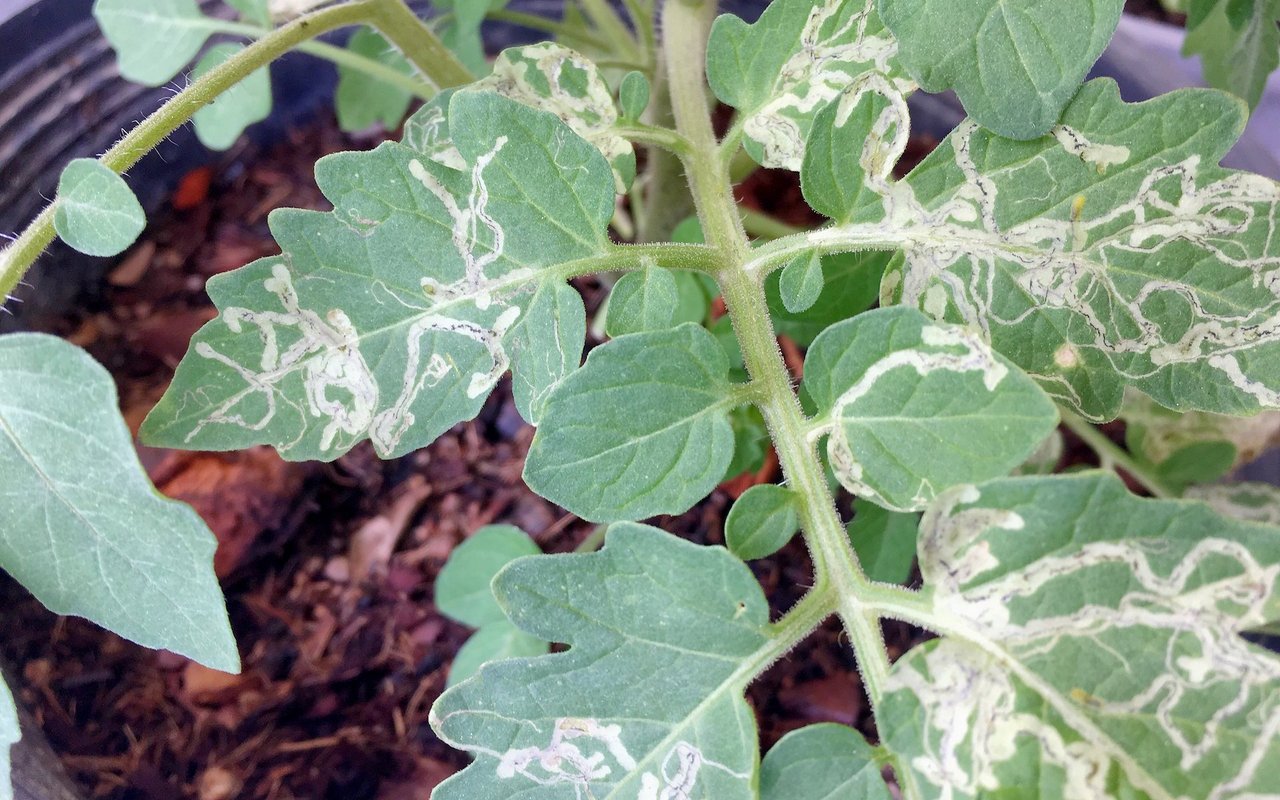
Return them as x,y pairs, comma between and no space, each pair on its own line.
686,25
17,258
1113,455
416,42
655,136
614,30
338,55
553,27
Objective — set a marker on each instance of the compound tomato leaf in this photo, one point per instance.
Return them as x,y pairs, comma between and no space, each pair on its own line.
822,762
392,317
647,702
81,526
782,69
1111,253
1091,648
153,39
912,407
220,123
1013,65
96,211
641,429
363,100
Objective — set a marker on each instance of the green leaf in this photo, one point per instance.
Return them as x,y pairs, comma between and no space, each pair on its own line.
663,635
257,12
695,292
851,151
1112,253
10,734
496,641
392,317
822,762
642,301
96,212
362,100
556,79
761,521
884,540
799,56
633,95
1092,648
1253,502
462,587
1238,55
641,429
850,282
81,526
1014,65
220,123
913,407
801,283
153,39
462,35
750,441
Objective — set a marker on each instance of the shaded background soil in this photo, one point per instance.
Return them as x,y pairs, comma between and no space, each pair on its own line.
328,568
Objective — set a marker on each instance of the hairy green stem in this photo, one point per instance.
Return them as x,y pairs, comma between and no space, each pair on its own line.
763,226
553,27
17,258
686,25
654,136
1113,455
416,42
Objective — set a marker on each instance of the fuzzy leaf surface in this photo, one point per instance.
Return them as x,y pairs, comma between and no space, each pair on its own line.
96,213
761,521
850,283
153,39
912,407
884,540
641,429
642,301
663,636
1091,648
556,79
362,100
220,123
822,762
1014,65
80,524
495,641
1110,253
392,317
800,55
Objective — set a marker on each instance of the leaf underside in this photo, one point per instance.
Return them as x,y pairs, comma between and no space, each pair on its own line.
81,526
647,702
1092,648
392,317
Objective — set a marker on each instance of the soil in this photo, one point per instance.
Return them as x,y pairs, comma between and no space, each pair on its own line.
328,568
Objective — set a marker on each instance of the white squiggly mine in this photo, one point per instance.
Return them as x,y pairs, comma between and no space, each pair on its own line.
1000,636
964,352
816,74
339,385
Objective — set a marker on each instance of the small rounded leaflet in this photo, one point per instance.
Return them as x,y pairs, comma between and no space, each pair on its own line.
96,212
762,520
